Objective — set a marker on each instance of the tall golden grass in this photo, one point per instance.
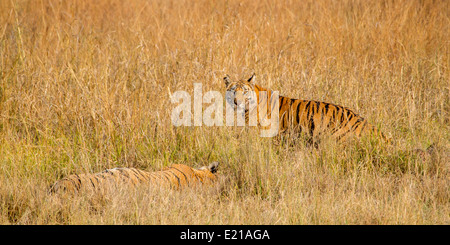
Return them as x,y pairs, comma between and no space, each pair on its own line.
84,86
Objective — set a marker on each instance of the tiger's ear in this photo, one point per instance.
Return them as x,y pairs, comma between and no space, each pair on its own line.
251,80
227,81
213,167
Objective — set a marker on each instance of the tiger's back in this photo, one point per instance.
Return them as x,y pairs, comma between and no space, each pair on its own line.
317,118
176,176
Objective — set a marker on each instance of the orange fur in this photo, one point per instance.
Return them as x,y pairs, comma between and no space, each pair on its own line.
311,117
176,176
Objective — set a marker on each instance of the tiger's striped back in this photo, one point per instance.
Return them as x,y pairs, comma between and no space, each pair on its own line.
176,176
317,118
295,115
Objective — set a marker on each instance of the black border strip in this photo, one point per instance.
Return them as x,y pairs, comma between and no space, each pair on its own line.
227,233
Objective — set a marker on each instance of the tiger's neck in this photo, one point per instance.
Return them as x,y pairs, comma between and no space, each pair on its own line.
265,104
259,89
204,176
268,93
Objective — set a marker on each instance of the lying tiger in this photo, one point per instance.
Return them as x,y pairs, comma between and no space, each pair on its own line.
296,115
176,176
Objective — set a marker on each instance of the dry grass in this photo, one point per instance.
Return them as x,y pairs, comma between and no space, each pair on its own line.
84,86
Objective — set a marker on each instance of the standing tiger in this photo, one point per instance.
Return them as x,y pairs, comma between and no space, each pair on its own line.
296,115
176,176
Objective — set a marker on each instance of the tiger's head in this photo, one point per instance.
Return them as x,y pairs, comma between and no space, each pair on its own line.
241,94
207,172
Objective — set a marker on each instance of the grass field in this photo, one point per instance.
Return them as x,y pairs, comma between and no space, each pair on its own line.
84,86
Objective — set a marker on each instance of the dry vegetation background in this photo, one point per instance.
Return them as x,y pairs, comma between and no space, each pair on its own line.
84,86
